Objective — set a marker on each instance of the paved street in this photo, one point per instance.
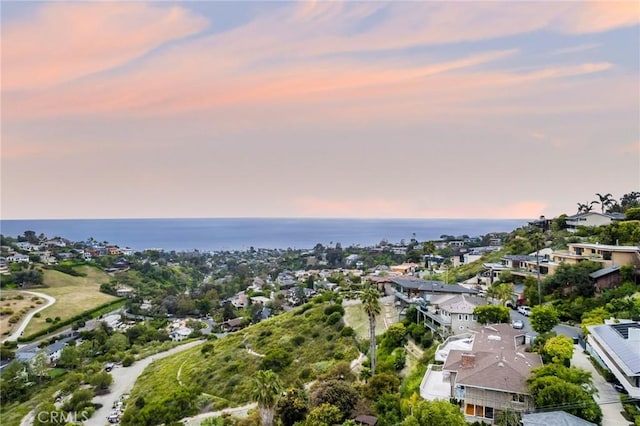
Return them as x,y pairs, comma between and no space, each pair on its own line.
608,398
567,330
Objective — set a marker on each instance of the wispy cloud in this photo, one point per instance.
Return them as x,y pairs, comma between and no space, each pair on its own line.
576,49
64,41
308,85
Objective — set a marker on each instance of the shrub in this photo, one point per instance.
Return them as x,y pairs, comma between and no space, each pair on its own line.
332,309
347,332
298,340
334,318
37,315
48,320
276,360
305,373
128,361
207,348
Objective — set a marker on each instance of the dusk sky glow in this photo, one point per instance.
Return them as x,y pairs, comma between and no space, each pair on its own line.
317,109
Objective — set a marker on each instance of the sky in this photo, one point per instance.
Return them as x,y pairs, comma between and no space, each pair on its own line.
416,109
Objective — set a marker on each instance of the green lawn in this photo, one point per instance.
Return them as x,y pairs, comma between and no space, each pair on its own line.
356,318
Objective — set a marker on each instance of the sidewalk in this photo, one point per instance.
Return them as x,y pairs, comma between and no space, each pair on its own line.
608,399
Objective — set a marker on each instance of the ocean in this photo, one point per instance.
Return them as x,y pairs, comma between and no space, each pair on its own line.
243,233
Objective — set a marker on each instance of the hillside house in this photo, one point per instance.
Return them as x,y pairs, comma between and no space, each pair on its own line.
616,347
450,313
486,372
591,219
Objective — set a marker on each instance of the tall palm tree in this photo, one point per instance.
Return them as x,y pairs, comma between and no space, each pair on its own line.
267,388
605,201
371,303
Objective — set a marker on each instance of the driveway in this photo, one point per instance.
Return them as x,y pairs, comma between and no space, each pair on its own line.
608,399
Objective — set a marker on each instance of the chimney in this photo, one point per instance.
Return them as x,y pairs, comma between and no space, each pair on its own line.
468,360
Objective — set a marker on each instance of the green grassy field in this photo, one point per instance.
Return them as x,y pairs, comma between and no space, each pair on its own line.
74,295
356,318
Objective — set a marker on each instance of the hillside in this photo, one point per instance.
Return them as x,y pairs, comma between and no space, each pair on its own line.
299,346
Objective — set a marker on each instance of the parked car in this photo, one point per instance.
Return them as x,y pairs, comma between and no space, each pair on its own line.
619,388
109,366
524,310
518,324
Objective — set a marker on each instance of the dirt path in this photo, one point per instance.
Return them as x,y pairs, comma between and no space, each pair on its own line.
240,412
413,349
25,320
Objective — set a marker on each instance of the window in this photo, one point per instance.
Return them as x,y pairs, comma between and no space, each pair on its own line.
466,317
488,412
518,397
470,410
459,317
474,317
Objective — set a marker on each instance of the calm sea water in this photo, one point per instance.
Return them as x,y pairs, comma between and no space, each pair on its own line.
241,234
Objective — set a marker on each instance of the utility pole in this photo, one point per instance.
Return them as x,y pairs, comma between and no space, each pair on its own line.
538,271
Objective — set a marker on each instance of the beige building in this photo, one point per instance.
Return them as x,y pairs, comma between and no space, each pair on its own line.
607,255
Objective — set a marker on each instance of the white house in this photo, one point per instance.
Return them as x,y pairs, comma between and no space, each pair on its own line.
17,257
180,334
591,219
616,346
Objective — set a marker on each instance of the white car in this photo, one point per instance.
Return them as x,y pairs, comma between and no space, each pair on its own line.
524,310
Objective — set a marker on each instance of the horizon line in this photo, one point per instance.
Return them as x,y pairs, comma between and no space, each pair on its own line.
265,217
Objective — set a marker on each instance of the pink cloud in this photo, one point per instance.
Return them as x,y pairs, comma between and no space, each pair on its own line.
64,41
151,90
390,207
599,16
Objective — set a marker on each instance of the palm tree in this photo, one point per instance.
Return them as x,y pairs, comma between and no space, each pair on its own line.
371,304
586,207
267,388
605,201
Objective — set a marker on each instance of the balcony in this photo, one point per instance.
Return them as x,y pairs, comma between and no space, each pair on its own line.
435,384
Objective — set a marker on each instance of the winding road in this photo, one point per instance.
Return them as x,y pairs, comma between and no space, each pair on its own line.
25,320
123,380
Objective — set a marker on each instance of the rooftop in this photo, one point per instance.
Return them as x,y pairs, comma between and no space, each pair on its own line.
555,418
604,271
622,341
457,303
431,286
497,360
